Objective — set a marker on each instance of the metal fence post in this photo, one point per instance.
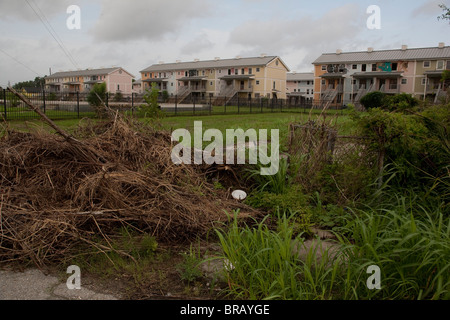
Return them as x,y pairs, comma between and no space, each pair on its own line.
4,101
176,104
107,99
78,104
210,105
238,104
43,99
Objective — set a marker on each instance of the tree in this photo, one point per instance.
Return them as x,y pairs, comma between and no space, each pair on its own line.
151,106
98,90
38,82
446,13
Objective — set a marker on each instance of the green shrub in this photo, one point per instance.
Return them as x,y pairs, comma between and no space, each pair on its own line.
292,199
373,100
151,108
96,97
400,102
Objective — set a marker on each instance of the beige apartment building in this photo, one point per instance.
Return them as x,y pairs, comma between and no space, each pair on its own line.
246,78
117,80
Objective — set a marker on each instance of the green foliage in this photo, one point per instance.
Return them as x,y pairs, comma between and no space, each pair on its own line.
96,97
130,252
118,97
51,96
189,269
408,241
292,198
260,260
400,102
151,108
38,82
445,13
165,96
277,183
373,100
406,142
100,90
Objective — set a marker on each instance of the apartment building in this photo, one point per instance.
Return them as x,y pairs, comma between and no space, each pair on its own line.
344,77
300,87
254,77
117,80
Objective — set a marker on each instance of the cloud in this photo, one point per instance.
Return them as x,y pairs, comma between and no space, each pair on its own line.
12,10
141,19
338,28
198,44
429,8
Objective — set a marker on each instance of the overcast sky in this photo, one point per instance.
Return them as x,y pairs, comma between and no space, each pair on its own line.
135,34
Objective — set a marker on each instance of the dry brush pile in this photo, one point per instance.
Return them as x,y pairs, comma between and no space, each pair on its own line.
56,193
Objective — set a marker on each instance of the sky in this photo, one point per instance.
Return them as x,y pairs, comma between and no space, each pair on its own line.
134,34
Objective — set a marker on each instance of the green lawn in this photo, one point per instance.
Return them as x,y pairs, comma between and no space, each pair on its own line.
275,120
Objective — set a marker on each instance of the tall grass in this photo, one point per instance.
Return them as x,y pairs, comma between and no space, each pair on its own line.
410,244
266,265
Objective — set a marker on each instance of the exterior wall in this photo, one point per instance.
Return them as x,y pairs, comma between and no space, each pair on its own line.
119,80
276,76
261,85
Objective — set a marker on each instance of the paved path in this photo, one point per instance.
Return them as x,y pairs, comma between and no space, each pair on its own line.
34,285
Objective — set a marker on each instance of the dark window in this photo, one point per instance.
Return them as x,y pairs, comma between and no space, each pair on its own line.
374,67
355,66
364,67
394,66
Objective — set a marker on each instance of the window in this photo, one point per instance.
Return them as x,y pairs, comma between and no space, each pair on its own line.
404,81
307,91
427,81
171,84
250,70
440,65
118,87
258,69
210,83
236,71
257,82
364,67
355,66
323,82
274,85
324,68
295,90
312,91
307,83
426,64
448,65
243,71
394,66
277,62
374,67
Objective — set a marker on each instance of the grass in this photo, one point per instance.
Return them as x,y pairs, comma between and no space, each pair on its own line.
410,246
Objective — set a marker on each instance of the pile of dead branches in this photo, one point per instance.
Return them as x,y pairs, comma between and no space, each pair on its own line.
56,192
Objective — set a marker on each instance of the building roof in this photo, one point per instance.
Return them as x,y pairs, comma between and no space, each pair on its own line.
385,55
304,76
212,64
85,73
